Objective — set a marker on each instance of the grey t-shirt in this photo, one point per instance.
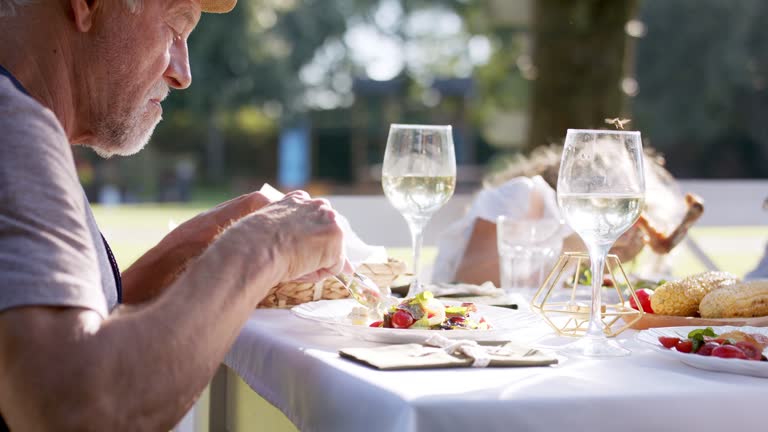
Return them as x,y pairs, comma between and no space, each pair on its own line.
51,252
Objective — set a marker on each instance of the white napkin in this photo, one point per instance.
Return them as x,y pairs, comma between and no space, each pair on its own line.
520,197
462,289
356,250
480,355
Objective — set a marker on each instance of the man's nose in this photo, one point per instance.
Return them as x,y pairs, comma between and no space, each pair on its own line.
178,75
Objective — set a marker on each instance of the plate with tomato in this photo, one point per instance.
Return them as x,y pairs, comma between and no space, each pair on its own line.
730,349
498,323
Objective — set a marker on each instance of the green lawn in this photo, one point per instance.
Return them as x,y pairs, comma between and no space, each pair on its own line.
132,229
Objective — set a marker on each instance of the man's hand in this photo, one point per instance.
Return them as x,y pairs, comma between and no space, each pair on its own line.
160,266
307,240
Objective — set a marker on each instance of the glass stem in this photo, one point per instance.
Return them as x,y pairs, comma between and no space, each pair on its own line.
417,231
597,259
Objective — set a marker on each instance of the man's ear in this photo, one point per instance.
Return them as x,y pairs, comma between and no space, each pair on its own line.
83,13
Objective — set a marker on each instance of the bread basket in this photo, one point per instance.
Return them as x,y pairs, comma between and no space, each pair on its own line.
289,294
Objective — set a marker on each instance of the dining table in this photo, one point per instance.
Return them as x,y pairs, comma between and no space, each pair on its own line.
294,364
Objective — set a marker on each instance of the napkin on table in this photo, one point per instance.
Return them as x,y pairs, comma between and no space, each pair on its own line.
463,289
440,352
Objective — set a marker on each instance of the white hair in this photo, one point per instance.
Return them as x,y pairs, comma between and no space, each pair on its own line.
8,7
133,5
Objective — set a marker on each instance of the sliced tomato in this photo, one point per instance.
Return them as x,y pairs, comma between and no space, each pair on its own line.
668,341
684,346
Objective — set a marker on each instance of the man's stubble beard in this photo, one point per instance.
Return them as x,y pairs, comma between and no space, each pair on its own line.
125,135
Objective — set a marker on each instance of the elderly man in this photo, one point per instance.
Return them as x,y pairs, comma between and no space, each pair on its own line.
94,73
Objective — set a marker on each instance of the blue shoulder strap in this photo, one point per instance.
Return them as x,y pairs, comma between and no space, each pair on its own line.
14,81
115,271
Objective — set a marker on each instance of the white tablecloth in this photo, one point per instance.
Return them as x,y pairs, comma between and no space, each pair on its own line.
294,364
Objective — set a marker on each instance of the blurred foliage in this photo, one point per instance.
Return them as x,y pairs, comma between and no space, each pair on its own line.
274,63
701,65
703,71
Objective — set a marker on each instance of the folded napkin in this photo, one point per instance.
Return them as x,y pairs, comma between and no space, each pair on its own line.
459,290
441,352
464,289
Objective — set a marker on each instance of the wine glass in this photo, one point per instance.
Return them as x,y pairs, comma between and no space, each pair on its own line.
418,177
601,192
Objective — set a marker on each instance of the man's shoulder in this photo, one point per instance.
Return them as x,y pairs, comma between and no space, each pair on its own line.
47,251
37,163
32,140
21,115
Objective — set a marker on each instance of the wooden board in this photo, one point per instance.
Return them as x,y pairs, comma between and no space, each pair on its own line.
653,320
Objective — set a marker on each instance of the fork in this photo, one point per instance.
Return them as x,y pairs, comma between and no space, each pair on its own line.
366,292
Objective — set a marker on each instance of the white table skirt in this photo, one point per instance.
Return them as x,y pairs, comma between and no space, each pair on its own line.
294,364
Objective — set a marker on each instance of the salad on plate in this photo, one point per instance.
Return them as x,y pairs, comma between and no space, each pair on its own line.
425,312
735,344
726,349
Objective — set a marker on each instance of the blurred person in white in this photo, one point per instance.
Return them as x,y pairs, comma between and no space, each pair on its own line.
525,189
72,357
667,213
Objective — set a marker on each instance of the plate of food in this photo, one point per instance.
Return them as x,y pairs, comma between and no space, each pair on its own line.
730,349
704,299
416,319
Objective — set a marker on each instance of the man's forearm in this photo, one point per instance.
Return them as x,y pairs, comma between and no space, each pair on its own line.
144,367
156,270
183,342
159,267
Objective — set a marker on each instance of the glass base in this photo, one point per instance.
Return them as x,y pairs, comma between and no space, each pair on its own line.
595,347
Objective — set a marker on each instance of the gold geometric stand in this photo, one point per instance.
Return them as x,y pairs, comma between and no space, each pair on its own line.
570,317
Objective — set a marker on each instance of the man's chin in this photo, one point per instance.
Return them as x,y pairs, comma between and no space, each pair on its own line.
107,152
127,145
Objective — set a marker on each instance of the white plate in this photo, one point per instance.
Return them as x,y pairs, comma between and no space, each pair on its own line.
716,364
333,314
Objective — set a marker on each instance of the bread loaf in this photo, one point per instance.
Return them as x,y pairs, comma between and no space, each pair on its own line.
682,297
741,300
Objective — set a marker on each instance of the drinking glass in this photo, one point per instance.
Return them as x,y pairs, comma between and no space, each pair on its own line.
601,192
528,248
418,177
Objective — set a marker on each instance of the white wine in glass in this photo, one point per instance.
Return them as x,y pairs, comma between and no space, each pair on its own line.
601,193
418,177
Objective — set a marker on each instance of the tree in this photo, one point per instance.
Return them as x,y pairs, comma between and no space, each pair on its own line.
580,49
